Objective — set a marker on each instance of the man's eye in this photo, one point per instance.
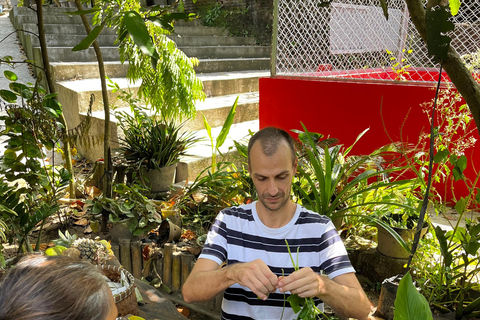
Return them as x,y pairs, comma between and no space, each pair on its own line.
261,179
282,177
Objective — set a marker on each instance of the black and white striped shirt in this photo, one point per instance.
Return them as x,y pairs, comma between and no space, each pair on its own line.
238,235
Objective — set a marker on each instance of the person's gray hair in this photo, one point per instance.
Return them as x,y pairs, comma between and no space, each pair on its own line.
270,138
54,288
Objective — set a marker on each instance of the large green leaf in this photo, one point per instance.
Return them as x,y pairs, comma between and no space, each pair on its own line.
10,75
21,89
138,31
4,209
165,21
409,303
438,25
8,96
383,4
454,6
443,241
440,156
226,126
89,39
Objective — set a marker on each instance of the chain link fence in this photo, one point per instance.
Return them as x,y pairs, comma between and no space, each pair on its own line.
352,38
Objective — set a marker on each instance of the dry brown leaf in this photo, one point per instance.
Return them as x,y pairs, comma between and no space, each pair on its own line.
183,310
92,192
81,222
194,250
88,230
77,205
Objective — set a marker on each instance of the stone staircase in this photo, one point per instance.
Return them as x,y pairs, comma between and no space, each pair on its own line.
229,67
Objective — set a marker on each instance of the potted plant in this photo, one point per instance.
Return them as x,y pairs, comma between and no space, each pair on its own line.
153,146
332,182
405,226
131,209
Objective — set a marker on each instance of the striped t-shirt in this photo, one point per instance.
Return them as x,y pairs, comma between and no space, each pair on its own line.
238,235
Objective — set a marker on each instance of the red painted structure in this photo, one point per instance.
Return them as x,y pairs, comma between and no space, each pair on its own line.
344,106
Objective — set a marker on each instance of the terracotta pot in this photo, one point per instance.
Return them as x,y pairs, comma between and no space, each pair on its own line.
160,180
168,231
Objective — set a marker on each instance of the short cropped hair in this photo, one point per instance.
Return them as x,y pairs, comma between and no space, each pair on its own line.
270,138
54,288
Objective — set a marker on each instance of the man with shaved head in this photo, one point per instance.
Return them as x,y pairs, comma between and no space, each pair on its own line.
251,240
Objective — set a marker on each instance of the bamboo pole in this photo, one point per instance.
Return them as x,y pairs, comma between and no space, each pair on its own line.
135,247
176,271
125,255
188,261
167,264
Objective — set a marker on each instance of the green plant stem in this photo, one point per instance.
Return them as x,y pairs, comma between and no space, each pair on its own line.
51,88
107,179
423,210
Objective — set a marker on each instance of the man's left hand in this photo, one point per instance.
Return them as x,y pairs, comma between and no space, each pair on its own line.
304,282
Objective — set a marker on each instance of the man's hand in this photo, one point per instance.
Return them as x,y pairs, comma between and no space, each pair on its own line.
343,293
304,282
256,276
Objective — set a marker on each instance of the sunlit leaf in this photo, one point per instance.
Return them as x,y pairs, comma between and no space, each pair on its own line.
440,156
409,303
226,126
89,39
8,96
138,31
10,75
454,6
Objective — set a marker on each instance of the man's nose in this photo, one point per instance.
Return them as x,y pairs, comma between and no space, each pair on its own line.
272,188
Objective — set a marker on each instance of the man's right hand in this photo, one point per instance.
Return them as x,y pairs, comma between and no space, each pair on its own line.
256,276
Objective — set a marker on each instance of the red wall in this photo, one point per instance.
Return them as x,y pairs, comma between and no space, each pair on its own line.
342,109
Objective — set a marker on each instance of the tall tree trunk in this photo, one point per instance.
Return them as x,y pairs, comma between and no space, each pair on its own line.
51,89
453,64
108,174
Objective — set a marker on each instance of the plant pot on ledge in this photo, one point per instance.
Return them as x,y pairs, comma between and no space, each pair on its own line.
153,147
159,180
389,246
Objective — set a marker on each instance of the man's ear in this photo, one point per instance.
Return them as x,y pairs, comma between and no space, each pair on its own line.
295,163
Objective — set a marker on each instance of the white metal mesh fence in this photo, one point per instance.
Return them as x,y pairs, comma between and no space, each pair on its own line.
352,38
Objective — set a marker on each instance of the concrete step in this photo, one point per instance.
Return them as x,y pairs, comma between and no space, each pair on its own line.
60,40
108,39
200,155
226,52
63,71
188,30
65,54
230,65
212,40
58,18
57,40
73,29
215,110
225,83
75,95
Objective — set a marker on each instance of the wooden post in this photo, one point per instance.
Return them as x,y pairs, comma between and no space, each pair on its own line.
188,261
167,264
125,256
176,271
136,258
